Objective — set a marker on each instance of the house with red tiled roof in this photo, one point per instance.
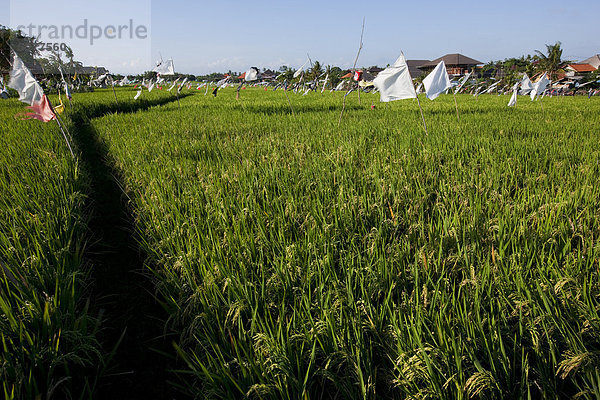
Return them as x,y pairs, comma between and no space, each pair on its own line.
578,69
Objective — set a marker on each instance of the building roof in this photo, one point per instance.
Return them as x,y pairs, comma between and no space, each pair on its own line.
413,67
452,60
594,61
581,67
91,70
374,70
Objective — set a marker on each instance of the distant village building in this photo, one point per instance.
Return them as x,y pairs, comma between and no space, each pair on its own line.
91,71
414,67
594,61
578,69
268,75
456,64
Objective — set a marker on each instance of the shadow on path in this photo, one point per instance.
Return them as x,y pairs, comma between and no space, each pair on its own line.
122,289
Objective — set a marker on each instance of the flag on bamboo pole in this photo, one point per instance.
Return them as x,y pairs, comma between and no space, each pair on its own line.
3,90
325,83
394,82
67,90
173,85
30,92
139,93
251,75
165,67
492,87
526,85
540,86
223,82
437,82
60,107
182,85
463,81
513,99
300,70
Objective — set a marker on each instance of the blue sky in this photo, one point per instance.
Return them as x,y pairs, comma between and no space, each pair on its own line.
208,36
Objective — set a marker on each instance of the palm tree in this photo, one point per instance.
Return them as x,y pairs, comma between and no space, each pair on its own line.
550,62
316,70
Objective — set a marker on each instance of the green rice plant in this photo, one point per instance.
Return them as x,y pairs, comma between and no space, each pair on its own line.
302,260
48,337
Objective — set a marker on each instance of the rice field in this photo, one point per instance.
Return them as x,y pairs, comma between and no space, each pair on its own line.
48,337
301,259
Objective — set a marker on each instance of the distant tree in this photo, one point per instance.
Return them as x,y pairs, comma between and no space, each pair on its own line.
316,70
25,46
550,62
334,75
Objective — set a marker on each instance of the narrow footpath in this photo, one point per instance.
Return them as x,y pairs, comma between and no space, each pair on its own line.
122,292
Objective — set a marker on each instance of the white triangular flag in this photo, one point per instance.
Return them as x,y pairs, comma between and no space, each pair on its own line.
526,85
325,83
251,74
182,84
22,81
463,81
437,82
165,68
540,86
139,93
173,85
513,99
299,71
394,82
492,87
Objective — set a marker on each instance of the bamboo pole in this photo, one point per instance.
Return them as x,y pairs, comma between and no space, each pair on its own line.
422,116
288,99
456,105
56,118
352,72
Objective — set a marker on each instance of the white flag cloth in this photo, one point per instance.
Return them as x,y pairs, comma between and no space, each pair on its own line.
182,84
22,81
526,85
540,86
340,86
65,84
492,87
172,86
394,82
30,92
251,74
463,81
325,83
165,68
513,99
223,82
299,71
139,93
150,86
437,82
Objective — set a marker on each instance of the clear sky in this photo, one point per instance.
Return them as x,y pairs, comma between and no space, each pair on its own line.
209,36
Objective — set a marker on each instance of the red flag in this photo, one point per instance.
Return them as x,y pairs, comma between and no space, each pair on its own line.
41,111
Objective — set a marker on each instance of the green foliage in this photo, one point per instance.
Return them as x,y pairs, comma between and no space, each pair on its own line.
551,61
